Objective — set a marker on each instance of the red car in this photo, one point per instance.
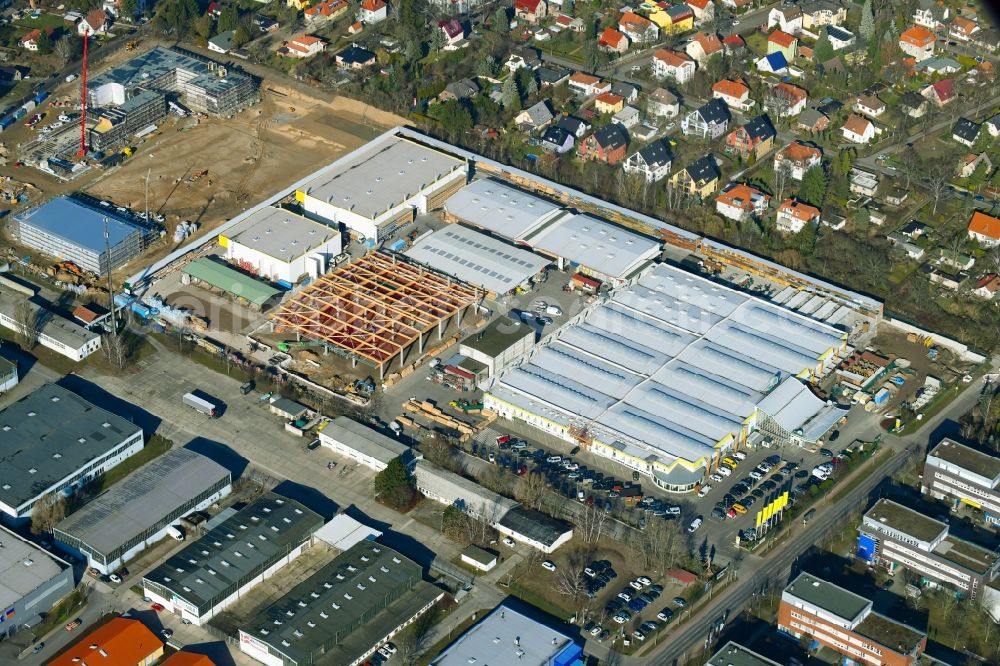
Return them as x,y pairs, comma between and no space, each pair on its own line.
156,606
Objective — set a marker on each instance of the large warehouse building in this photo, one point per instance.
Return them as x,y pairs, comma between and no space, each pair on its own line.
382,185
32,581
343,612
206,576
52,441
137,511
669,373
72,229
281,246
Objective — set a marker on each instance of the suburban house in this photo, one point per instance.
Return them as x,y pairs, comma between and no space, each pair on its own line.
587,85
30,41
735,94
913,104
704,10
811,120
531,11
640,30
963,28
355,57
681,18
859,129
652,162
937,65
223,42
993,125
628,117
984,229
794,215
324,11
571,23
786,44
703,46
869,105
662,103
862,182
965,131
940,92
987,286
552,76
303,46
931,14
787,19
772,63
840,38
558,140
574,125
535,117
917,42
754,139
734,45
786,99
741,202
613,41
968,164
709,121
629,92
817,13
607,144
609,103
797,158
700,178
94,23
672,65
458,90
522,56
372,11
453,31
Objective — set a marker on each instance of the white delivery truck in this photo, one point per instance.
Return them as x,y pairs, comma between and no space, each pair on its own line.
175,533
201,404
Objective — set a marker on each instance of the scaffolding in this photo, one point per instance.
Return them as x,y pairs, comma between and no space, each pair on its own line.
376,308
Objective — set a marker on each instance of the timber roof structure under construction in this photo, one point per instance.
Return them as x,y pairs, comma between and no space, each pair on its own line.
375,308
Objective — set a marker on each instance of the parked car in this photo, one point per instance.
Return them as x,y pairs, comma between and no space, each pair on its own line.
695,524
680,602
507,541
665,615
704,490
549,565
70,626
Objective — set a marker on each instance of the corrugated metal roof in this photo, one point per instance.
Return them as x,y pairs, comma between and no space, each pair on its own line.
231,280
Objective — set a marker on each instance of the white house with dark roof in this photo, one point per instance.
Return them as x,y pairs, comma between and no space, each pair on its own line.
652,162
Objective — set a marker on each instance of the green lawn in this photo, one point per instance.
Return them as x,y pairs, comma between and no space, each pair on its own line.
44,20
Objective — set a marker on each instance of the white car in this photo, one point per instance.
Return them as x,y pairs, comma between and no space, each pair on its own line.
695,524
756,476
553,310
739,455
596,631
673,511
540,305
704,490
644,580
114,578
507,541
717,478
63,118
635,584
723,470
549,565
620,619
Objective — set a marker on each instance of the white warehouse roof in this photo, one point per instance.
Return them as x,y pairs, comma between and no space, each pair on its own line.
501,208
602,247
476,258
280,234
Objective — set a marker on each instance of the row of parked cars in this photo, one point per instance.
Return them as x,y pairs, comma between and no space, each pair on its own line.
754,487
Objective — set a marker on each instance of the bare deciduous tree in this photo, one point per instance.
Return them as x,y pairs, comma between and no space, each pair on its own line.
26,318
779,179
591,523
48,510
530,490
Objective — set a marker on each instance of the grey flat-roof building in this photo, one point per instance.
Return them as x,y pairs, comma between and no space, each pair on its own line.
51,441
209,574
136,512
31,582
734,654
448,488
499,344
72,228
52,330
535,528
359,442
343,612
963,475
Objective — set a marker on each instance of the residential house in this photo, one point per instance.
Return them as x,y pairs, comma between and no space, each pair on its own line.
672,65
785,18
223,42
862,182
640,30
987,39
931,14
984,229
652,162
30,41
917,42
552,76
700,178
558,140
896,196
735,46
965,131
266,24
736,94
609,103
956,261
793,216
613,41
459,90
627,91
772,63
453,31
535,117
869,105
754,139
987,286
571,23
859,129
587,85
522,56
703,46
840,38
628,117
737,5
704,10
963,28
531,11
811,120
355,57
937,65
709,121
96,22
741,202
993,125
371,12
913,104
941,92
355,28
303,46
913,229
662,103
681,18
574,126
325,10
909,248
797,158
818,13
784,43
294,4
786,99
607,144
832,220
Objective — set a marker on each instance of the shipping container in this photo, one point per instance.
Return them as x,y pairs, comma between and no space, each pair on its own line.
29,105
42,96
7,122
200,404
20,113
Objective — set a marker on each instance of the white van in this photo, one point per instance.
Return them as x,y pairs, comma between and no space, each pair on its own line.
704,490
553,310
175,533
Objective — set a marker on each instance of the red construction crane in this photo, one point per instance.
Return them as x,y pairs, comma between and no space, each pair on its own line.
83,98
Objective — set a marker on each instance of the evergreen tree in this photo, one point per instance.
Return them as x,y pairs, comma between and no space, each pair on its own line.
813,188
44,42
867,27
510,96
486,66
229,18
394,485
501,21
823,48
